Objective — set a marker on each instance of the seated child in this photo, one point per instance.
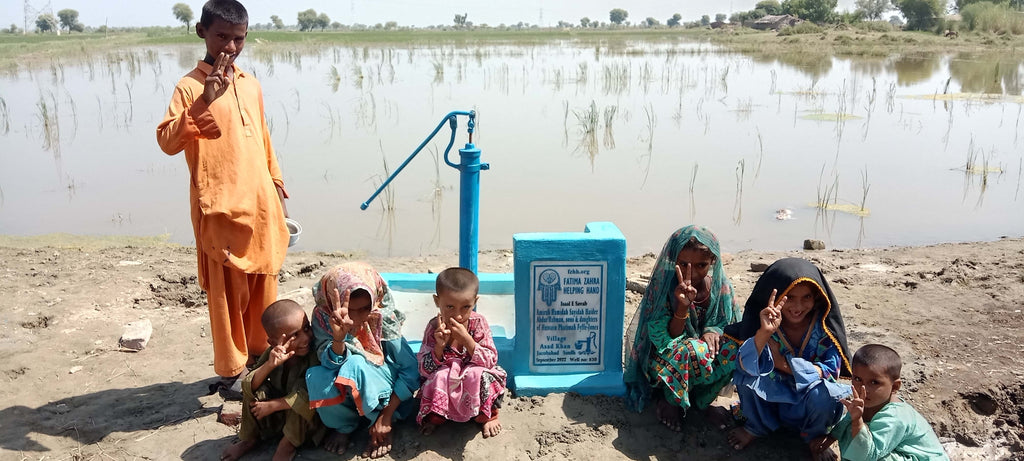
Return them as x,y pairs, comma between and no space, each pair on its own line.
791,355
367,371
878,425
458,359
274,398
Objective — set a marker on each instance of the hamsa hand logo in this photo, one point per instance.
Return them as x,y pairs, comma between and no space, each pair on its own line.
549,284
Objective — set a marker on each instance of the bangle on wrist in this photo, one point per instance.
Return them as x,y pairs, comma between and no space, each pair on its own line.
675,315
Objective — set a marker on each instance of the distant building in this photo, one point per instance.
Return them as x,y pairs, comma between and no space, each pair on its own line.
776,22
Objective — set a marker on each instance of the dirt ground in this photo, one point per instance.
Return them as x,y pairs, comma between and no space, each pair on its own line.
953,311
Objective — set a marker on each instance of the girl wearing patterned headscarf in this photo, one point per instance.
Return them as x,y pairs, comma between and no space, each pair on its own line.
367,368
678,351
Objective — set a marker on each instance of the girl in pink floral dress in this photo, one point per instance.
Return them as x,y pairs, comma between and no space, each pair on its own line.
458,359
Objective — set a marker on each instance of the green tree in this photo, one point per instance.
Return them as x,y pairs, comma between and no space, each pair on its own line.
960,4
674,20
184,14
618,15
460,21
391,25
721,17
584,22
921,14
873,9
68,18
811,10
46,23
769,6
307,19
323,21
705,20
13,30
651,22
278,23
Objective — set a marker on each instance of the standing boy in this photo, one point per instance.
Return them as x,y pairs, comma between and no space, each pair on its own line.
216,116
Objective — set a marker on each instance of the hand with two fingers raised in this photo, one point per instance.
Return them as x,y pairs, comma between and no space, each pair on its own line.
341,323
855,407
771,318
280,353
216,83
442,336
685,293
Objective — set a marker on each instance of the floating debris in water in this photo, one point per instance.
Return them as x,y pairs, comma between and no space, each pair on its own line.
976,97
850,208
833,117
783,214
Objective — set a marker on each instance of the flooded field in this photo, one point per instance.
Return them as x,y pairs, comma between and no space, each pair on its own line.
651,135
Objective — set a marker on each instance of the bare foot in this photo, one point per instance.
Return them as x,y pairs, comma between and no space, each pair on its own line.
374,450
670,415
739,438
491,428
337,442
427,428
285,451
237,449
719,417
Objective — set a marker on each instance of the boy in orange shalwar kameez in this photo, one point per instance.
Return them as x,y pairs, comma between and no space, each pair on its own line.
216,116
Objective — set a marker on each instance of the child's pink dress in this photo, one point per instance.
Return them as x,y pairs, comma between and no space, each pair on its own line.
461,387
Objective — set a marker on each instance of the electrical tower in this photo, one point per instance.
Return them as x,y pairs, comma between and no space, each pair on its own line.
31,14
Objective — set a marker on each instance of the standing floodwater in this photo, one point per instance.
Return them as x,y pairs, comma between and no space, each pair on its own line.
648,134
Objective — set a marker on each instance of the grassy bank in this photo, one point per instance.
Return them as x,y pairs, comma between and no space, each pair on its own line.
29,50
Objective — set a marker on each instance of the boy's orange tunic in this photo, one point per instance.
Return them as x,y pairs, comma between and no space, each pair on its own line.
236,213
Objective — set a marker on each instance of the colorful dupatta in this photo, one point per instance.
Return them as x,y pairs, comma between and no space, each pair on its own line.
384,322
722,310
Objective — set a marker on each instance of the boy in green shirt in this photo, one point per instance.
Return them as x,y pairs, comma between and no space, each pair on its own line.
878,425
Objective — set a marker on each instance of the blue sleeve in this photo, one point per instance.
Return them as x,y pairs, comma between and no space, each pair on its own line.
399,353
751,363
805,373
330,360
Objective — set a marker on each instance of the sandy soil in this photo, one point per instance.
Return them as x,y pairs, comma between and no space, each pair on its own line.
953,311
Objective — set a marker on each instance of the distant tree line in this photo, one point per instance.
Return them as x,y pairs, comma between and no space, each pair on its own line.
1001,16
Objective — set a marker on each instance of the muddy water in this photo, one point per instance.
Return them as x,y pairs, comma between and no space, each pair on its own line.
650,136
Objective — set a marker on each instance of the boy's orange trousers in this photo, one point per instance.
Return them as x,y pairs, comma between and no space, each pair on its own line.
236,302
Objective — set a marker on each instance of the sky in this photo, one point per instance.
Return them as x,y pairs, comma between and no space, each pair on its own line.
420,13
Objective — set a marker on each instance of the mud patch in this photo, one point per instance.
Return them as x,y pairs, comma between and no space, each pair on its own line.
177,290
996,413
15,373
42,321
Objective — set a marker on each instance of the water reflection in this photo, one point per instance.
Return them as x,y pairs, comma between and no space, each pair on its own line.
913,69
999,75
813,65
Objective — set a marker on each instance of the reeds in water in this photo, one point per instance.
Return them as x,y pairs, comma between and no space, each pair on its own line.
741,168
5,117
386,226
610,113
50,123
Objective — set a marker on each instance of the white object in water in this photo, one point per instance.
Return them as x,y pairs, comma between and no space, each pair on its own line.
784,214
294,231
